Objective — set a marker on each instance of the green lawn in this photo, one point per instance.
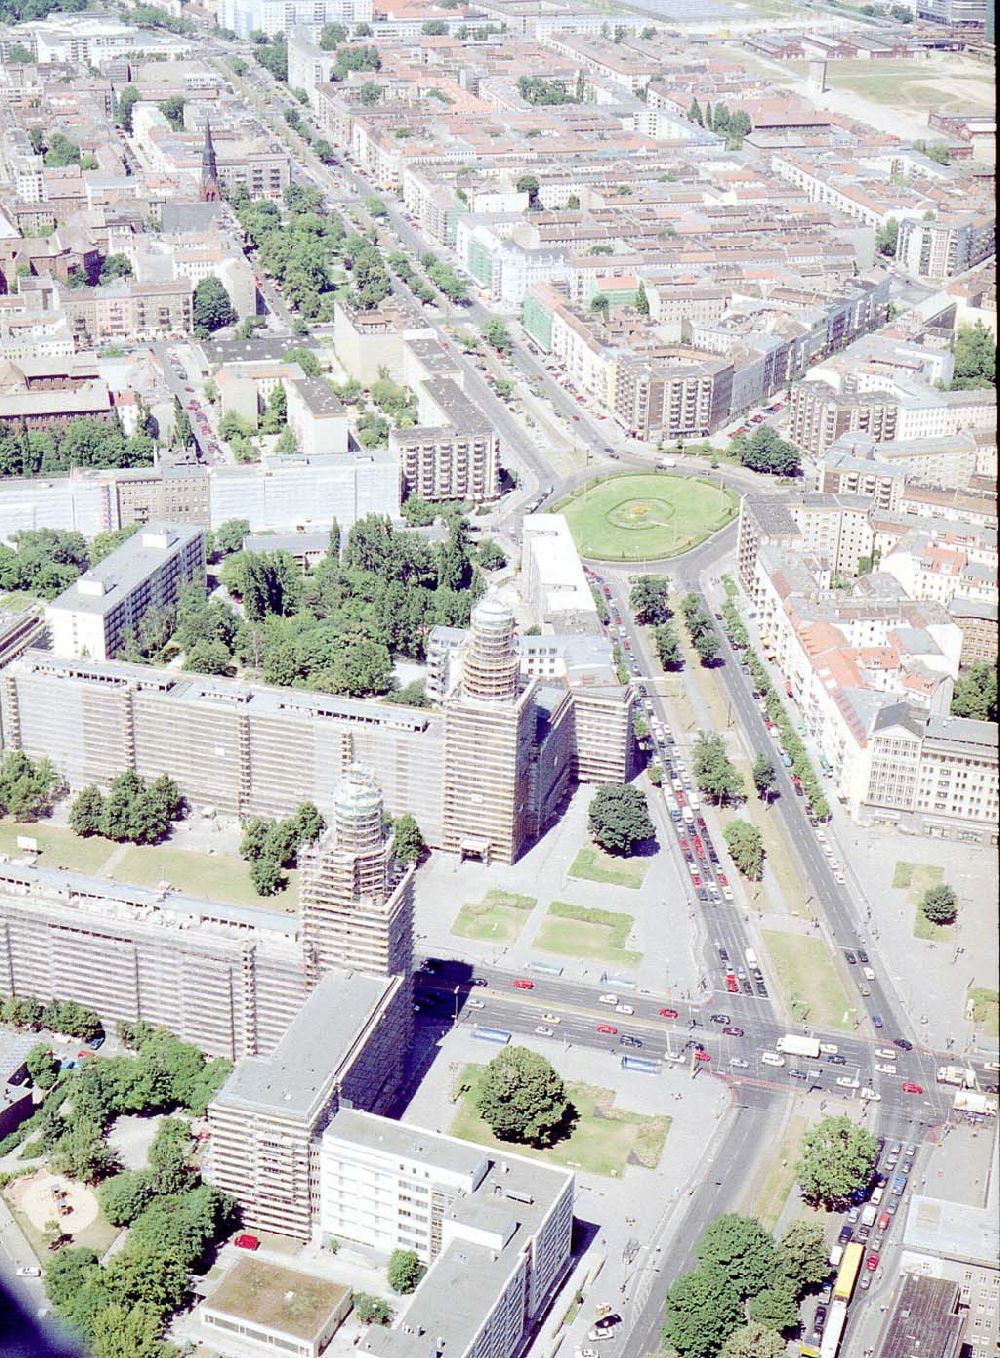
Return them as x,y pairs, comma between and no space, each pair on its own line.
645,516
986,1009
498,918
18,600
595,865
916,879
604,1140
218,877
944,82
807,974
58,846
574,931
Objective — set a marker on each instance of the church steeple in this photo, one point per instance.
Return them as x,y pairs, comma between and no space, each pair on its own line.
209,192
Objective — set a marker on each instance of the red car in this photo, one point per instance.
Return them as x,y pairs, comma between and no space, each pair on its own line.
871,1263
910,1088
722,879
668,1013
732,985
684,842
883,1222
702,1056
607,1028
696,878
680,799
524,985
246,1242
696,841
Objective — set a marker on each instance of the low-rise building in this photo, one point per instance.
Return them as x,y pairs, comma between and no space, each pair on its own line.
105,607
316,416
261,1307
553,581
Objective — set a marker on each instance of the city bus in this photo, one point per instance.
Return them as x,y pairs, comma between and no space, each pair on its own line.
500,1035
850,1267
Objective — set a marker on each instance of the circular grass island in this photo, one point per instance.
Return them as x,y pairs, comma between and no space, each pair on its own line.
646,516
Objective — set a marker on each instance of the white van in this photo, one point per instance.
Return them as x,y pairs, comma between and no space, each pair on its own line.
836,1254
695,801
771,1059
751,957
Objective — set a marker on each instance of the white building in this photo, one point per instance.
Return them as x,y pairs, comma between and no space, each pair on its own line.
289,493
553,581
97,615
244,17
495,1229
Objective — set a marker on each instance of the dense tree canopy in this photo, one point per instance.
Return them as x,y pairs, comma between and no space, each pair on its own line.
703,1310
803,1255
133,811
213,307
86,441
409,844
765,451
976,694
649,599
746,848
940,904
837,1157
619,817
28,788
975,358
404,1271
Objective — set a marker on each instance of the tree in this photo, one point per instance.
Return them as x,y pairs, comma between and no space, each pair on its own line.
522,1097
940,904
86,811
741,1249
28,789
706,644
43,1068
528,183
703,1310
267,877
124,1197
61,151
404,1272
331,36
887,237
775,1307
765,451
600,305
371,1310
803,1256
128,1331
434,28
619,818
976,695
492,556
975,358
127,101
754,1340
409,844
668,648
496,335
230,534
648,599
173,110
837,1157
746,848
183,433
114,267
714,772
208,657
694,113
213,307
764,777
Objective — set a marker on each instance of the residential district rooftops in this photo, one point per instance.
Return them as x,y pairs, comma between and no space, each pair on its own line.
954,1230
924,1320
102,589
278,1298
295,1080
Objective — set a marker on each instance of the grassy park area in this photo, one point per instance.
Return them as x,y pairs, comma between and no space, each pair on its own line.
593,864
806,973
646,516
498,918
986,1010
770,1193
575,931
916,879
219,877
58,846
604,1140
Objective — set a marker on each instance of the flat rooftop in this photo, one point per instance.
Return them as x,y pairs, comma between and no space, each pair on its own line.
369,1131
923,1320
102,589
278,1298
563,585
296,1078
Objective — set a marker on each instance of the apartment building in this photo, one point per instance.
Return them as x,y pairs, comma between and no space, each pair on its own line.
934,774
357,902
501,1224
245,17
104,608
316,416
225,978
453,453
947,245
129,311
489,739
347,1042
977,620
835,528
672,393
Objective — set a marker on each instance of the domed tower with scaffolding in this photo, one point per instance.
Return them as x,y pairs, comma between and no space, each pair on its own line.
356,900
489,739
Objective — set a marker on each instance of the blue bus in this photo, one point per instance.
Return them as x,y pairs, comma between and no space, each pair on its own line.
500,1035
641,1063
